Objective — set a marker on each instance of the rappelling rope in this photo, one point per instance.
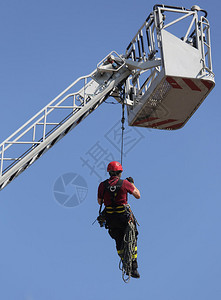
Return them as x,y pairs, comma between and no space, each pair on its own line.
125,264
122,129
121,97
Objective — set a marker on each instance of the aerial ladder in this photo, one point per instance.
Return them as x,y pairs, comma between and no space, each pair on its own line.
162,78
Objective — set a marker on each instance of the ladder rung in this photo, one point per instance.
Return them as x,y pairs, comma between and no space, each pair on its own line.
47,123
72,106
10,158
207,45
9,142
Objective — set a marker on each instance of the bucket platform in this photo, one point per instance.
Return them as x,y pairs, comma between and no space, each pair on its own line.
171,103
166,96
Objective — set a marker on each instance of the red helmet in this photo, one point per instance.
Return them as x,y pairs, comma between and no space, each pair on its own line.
114,166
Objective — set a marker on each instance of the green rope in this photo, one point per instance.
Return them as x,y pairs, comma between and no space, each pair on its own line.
128,252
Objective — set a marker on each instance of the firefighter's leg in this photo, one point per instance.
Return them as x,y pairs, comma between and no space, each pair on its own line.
118,234
120,242
117,224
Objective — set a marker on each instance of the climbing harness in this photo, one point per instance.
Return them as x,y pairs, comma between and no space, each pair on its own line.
113,190
117,209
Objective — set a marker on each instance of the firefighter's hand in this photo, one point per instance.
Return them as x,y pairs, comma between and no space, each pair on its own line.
130,179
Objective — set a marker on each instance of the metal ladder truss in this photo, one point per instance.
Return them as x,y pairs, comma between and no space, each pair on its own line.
59,117
173,39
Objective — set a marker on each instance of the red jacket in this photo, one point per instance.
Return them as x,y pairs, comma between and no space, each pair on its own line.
121,197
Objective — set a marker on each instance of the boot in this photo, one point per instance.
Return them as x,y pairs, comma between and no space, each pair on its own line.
135,273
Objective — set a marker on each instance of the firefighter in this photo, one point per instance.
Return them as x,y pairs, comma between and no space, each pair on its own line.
113,193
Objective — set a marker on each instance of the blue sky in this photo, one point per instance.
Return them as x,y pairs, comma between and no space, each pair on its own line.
49,251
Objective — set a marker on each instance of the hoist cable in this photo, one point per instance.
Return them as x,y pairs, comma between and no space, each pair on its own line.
122,130
122,124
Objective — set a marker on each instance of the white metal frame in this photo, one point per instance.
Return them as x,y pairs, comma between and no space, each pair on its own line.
140,51
93,91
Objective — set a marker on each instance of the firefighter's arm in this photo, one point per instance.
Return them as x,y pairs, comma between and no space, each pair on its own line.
136,192
99,200
99,194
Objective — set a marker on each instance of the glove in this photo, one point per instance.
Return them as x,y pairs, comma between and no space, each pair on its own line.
130,179
101,220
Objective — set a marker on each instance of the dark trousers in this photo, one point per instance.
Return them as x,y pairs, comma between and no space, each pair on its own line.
117,224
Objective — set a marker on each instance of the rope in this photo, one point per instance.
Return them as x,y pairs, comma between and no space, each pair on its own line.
122,121
122,131
125,264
